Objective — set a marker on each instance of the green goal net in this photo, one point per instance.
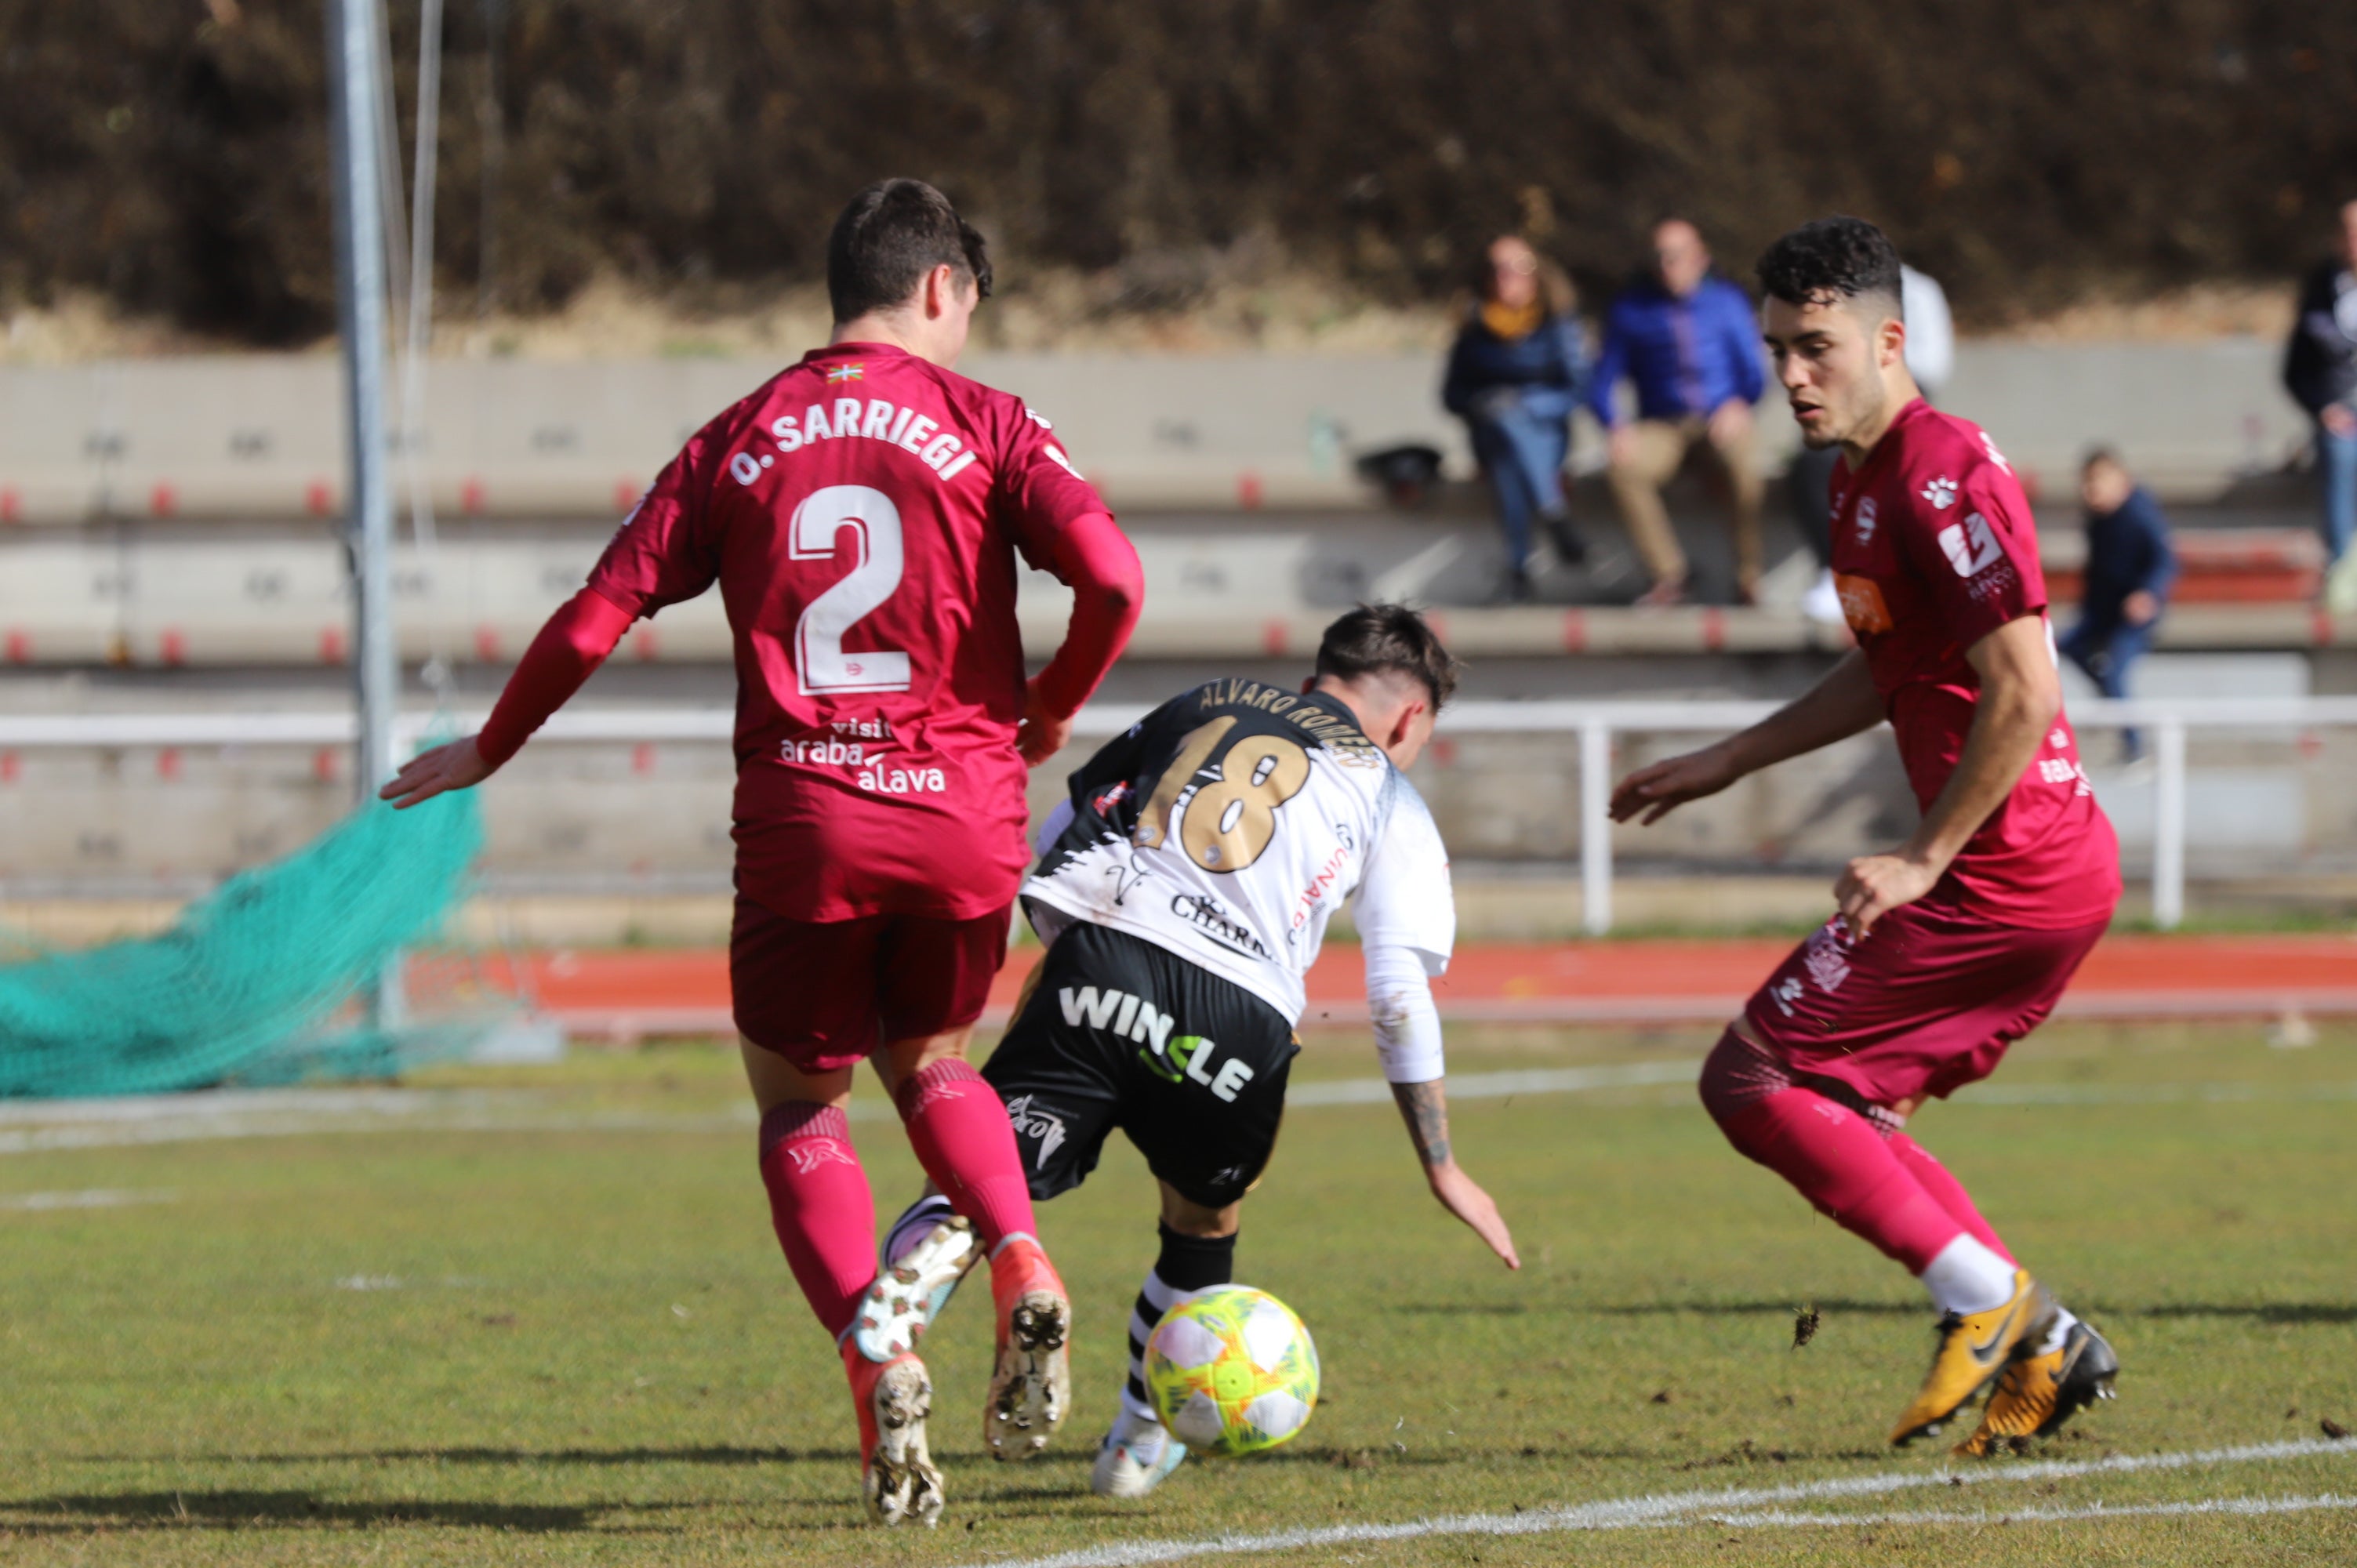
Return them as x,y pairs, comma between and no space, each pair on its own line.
260,982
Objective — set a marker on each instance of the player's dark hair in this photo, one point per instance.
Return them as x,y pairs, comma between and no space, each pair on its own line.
1833,260
1383,639
2099,457
891,235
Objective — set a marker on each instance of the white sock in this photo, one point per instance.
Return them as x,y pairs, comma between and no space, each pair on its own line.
2061,1330
1966,1277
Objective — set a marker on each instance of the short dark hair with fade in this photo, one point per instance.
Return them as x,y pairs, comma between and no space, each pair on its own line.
1385,639
888,238
1833,260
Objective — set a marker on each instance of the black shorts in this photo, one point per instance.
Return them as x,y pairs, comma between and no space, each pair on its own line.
1118,1031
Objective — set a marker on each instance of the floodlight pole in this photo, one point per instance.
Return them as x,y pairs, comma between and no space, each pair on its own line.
353,111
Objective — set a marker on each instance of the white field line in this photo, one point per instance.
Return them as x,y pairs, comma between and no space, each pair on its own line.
2236,1507
51,1126
1501,1084
89,1197
1673,1509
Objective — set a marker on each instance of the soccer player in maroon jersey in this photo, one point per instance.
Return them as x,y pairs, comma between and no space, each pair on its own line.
1948,948
861,512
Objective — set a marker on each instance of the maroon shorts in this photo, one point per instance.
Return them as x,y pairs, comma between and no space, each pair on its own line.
1927,1003
823,994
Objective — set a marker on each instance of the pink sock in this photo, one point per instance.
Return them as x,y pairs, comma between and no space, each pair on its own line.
1935,1178
958,1126
1842,1165
819,1203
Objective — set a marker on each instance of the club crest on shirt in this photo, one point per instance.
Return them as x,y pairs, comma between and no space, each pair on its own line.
1866,521
1941,492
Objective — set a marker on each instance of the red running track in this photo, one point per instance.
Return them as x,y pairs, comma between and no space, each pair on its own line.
630,992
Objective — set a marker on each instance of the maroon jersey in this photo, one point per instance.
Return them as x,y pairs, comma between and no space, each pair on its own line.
861,514
1933,549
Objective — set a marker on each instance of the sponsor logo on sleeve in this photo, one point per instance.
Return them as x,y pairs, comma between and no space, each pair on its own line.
1990,446
1971,545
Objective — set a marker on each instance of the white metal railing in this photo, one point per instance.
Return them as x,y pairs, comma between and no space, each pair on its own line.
1596,725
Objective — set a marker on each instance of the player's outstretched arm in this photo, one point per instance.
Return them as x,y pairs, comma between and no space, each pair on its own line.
1096,561
1425,1108
568,651
1842,705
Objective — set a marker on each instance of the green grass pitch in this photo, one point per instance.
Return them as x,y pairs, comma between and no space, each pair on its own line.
563,1334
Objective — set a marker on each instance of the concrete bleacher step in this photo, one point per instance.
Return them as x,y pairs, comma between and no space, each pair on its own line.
2280,566
255,436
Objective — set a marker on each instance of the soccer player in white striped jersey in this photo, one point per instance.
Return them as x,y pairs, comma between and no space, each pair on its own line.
1183,891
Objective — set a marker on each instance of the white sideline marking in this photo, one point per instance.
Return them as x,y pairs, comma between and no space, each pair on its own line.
1726,1506
2241,1507
90,1198
46,1126
1501,1085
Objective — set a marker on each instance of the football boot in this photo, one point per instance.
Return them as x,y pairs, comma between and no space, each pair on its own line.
2038,1393
897,1474
1973,1348
1031,1388
1135,1457
910,1293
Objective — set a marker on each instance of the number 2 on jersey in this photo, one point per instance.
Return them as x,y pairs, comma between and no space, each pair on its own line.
1228,822
819,662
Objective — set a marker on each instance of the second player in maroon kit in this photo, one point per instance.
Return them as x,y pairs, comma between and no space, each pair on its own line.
861,513
1945,951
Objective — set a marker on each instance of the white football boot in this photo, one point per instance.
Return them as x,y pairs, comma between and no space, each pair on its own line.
910,1293
1135,1457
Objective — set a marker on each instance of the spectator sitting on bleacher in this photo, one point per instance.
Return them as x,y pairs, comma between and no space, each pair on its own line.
2130,569
1688,339
1515,373
2321,370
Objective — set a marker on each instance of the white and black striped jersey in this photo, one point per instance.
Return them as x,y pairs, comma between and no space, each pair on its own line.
1229,823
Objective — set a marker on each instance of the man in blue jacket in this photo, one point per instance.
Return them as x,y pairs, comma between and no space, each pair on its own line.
1689,342
1514,375
2130,569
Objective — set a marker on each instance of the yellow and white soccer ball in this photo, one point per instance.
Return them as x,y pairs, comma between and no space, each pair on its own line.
1232,1370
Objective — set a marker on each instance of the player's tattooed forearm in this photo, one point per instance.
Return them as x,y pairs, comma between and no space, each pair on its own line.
1425,1113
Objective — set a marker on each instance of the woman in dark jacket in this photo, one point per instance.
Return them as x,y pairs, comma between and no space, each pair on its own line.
1519,367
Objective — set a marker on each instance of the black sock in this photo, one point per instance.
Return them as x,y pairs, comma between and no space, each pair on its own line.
1187,1263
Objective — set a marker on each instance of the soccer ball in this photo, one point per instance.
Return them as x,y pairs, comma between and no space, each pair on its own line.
1232,1370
